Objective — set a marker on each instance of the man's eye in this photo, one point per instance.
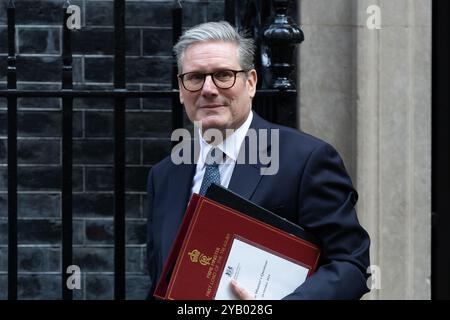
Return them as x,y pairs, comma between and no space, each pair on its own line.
194,77
223,75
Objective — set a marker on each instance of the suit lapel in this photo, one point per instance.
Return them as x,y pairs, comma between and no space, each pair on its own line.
180,184
246,176
244,180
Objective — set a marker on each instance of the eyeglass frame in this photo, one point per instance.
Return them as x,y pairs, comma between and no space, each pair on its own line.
235,72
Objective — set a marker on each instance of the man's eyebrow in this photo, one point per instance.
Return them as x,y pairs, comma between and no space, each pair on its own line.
213,70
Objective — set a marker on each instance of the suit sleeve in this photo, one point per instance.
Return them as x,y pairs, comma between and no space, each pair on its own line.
326,208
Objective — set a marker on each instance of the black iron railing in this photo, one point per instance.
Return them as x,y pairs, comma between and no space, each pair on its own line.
276,105
12,156
66,183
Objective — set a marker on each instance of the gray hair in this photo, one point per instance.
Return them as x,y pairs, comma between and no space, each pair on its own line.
221,31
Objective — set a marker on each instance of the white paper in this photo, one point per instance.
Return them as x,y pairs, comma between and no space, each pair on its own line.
261,273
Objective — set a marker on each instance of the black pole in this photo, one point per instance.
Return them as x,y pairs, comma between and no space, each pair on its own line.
177,108
66,182
12,156
119,151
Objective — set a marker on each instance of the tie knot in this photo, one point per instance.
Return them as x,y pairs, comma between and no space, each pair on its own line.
215,157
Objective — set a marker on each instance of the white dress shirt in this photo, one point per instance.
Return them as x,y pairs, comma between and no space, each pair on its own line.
230,147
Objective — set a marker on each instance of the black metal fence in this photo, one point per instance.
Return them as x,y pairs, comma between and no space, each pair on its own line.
276,102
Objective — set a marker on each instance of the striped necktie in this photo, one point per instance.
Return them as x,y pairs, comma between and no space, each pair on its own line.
212,174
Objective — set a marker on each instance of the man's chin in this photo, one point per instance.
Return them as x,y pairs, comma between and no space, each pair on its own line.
213,123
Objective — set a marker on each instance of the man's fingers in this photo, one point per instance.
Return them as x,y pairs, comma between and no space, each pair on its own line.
240,292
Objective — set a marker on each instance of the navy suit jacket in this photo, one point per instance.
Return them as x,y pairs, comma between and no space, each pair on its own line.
311,189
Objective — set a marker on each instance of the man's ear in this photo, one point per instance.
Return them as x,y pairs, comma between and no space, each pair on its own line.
252,79
180,91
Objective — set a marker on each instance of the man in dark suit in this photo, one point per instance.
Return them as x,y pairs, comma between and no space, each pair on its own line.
308,184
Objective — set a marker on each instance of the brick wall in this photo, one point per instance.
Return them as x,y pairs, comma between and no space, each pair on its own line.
39,140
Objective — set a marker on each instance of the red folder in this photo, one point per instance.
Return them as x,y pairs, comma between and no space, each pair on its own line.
199,252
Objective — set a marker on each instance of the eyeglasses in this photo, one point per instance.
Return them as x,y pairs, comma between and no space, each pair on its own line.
223,79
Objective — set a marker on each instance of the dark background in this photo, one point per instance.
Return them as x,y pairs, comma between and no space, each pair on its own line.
148,128
440,272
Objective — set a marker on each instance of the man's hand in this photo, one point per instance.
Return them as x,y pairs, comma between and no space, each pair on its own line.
240,292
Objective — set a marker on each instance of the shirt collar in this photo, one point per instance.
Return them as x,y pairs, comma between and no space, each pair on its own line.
230,146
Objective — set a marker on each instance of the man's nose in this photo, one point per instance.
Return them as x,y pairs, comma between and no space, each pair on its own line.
209,86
